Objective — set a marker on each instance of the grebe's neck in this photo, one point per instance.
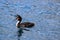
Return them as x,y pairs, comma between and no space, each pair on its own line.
18,22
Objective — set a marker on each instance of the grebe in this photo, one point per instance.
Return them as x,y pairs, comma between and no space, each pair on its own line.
23,25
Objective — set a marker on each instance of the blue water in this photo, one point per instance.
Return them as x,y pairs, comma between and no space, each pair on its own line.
44,13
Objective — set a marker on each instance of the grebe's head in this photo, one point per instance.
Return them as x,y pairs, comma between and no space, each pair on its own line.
18,17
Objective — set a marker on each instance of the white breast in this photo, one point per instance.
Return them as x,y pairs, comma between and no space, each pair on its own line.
17,23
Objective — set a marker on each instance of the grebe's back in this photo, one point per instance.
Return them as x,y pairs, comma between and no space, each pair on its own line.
27,24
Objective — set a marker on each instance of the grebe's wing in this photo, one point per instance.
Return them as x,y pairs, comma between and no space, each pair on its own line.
27,24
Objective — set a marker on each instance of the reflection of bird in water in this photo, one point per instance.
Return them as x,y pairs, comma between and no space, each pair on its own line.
22,26
20,31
